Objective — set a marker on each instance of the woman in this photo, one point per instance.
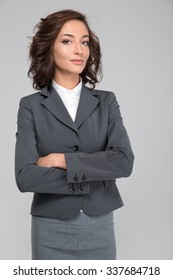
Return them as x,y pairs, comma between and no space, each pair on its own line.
71,144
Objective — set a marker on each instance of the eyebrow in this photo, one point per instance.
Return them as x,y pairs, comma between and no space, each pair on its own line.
72,36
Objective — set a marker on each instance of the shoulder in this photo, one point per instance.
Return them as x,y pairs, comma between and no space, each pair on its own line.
34,98
104,95
31,98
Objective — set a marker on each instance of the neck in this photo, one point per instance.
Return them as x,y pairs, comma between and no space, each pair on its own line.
67,81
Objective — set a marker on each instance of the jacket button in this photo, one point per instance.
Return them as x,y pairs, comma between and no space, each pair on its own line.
83,177
80,189
75,148
111,155
72,189
75,179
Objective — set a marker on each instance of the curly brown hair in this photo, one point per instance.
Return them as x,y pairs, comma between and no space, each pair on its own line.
41,68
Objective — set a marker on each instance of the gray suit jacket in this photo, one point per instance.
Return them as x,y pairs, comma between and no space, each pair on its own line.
96,147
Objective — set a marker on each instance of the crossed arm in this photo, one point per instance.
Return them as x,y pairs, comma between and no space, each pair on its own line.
32,174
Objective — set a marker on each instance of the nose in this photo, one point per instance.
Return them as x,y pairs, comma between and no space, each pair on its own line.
78,49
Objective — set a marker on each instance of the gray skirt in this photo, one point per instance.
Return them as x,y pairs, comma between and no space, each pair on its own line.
80,238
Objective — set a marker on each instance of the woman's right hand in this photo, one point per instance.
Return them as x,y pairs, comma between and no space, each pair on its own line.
52,160
46,161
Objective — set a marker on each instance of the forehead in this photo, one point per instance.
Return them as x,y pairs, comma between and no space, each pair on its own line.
74,27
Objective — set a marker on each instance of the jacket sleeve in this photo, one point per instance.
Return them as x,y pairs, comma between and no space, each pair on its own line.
115,162
29,176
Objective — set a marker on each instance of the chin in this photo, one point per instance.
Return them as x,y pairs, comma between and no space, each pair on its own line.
77,72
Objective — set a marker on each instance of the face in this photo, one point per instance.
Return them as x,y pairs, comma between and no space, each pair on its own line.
71,48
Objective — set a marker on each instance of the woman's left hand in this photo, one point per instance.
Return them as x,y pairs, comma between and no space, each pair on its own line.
53,160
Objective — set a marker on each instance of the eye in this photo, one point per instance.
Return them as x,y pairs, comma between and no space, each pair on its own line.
85,43
66,42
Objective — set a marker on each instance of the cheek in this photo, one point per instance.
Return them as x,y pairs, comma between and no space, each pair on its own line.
87,54
57,53
59,57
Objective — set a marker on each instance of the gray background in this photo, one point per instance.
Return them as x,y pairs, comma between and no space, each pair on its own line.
137,44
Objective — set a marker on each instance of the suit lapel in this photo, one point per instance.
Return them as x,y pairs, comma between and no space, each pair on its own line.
87,104
55,105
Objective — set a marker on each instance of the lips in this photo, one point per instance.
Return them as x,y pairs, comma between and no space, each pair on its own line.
77,61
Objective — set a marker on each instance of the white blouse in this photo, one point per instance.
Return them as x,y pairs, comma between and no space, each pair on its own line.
70,97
